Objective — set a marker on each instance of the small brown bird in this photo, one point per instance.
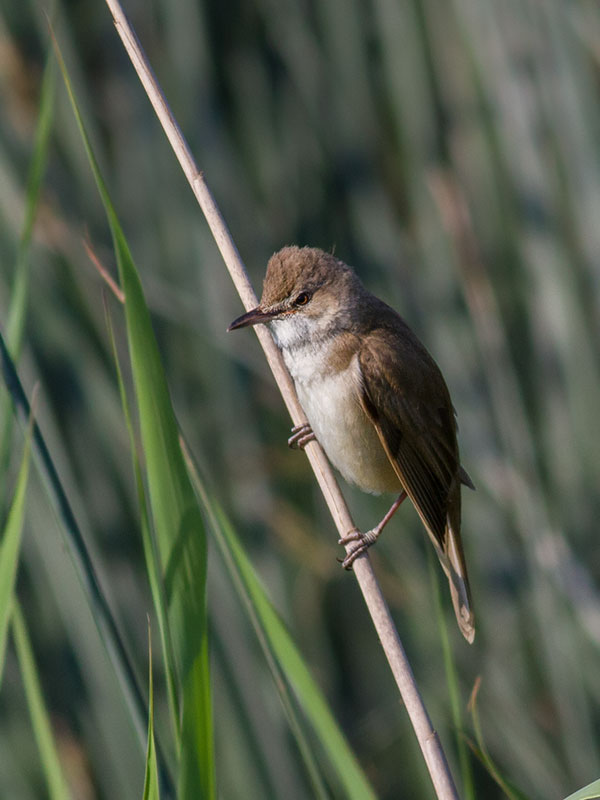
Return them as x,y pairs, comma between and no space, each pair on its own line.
375,399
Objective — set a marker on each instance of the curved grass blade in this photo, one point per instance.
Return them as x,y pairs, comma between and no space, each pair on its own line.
180,537
20,289
151,784
150,551
589,792
177,518
278,645
86,572
16,313
55,780
76,544
483,754
10,547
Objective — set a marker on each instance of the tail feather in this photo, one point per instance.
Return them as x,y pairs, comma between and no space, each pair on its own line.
453,562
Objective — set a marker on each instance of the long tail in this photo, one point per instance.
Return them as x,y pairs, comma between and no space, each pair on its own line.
452,560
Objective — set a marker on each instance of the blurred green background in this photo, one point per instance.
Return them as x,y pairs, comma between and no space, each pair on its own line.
449,151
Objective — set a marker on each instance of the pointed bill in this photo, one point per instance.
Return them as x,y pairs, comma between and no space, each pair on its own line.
257,316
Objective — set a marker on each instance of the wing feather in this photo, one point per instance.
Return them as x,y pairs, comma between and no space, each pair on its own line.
406,398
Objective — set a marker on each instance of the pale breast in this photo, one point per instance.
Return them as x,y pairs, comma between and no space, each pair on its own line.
331,400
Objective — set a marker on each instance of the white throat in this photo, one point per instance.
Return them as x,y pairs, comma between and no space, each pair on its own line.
299,331
331,400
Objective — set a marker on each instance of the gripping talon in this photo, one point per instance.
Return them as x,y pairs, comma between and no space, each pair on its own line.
353,555
353,536
359,543
301,436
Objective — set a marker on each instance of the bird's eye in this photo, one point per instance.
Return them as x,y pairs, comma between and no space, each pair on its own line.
302,299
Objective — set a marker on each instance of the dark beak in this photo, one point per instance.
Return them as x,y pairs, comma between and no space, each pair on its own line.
254,317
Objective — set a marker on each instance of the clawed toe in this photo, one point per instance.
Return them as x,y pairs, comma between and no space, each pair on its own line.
359,542
354,536
301,436
353,555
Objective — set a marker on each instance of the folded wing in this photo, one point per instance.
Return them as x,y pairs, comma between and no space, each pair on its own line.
406,398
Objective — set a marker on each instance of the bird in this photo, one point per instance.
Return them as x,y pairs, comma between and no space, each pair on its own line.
374,398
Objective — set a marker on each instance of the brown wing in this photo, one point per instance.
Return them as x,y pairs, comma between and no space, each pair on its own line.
406,398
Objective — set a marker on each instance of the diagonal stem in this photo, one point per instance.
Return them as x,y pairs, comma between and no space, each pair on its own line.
380,614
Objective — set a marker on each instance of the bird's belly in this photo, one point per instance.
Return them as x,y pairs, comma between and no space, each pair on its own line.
344,431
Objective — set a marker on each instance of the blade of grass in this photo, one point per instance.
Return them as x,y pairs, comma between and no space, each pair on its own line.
319,789
589,792
177,518
20,290
16,320
39,159
158,593
150,551
180,536
243,710
283,656
55,780
86,572
11,545
482,752
151,785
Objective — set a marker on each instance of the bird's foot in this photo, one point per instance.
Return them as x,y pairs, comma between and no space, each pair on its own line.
362,541
301,436
359,542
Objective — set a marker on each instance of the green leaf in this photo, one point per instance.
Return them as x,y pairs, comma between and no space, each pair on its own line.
151,784
150,551
482,753
78,551
17,310
179,530
55,781
10,547
589,792
20,290
276,641
178,522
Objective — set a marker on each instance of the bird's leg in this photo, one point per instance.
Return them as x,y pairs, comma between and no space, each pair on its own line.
362,541
301,436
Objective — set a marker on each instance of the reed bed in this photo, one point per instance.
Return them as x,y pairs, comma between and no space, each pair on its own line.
449,151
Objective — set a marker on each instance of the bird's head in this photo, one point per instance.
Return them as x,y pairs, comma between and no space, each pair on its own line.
305,291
